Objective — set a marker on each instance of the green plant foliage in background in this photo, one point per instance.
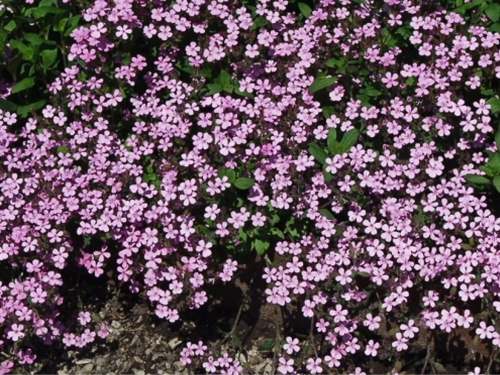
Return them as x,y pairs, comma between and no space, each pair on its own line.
33,53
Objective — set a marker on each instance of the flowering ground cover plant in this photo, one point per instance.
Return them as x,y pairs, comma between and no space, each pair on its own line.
347,147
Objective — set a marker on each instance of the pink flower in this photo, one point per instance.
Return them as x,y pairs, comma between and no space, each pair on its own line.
210,365
314,366
291,345
6,367
371,322
390,80
307,309
477,371
285,367
485,331
371,348
344,276
16,332
204,248
400,343
409,329
123,32
103,331
84,318
371,225
252,50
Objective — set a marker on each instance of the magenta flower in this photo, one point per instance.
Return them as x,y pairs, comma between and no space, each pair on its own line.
409,329
371,322
400,343
291,345
371,348
314,366
285,366
15,332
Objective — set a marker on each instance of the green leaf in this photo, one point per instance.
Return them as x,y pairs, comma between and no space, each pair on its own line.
321,83
493,12
328,111
244,183
497,139
231,175
317,152
327,176
63,149
475,179
86,240
49,57
239,344
439,367
495,28
182,67
3,39
13,66
10,26
487,92
228,89
239,202
404,32
348,140
224,78
276,218
25,84
495,105
327,213
494,161
260,246
206,72
34,39
27,52
43,11
466,246
305,10
390,41
365,100
242,235
291,227
488,170
267,346
73,24
468,6
258,23
7,105
399,365
25,110
332,141
60,23
335,63
277,232
393,331
370,91
496,183
214,88
482,315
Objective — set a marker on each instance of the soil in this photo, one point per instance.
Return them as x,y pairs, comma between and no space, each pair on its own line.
141,343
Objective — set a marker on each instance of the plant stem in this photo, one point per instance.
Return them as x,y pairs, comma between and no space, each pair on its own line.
492,356
427,355
278,340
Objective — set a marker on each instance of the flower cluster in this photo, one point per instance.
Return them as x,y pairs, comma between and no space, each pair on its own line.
217,137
